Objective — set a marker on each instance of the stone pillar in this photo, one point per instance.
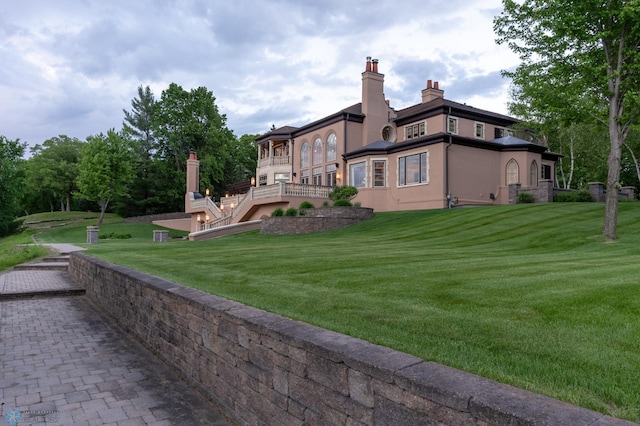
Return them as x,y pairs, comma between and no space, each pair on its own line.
160,236
628,192
545,194
514,188
596,189
92,234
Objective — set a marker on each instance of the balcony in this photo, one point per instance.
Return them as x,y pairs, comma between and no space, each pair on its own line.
276,160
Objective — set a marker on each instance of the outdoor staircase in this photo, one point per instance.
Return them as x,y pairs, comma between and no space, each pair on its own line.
52,263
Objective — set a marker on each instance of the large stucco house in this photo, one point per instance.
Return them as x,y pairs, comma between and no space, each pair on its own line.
436,154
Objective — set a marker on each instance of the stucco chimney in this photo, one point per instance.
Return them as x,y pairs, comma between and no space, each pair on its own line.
374,105
193,173
431,92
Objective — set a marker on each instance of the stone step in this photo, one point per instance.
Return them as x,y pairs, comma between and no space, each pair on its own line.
47,266
56,259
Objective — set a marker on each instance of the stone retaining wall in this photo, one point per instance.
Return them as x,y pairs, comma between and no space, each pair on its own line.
261,368
315,220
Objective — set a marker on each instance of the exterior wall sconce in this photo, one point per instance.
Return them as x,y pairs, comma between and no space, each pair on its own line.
338,176
206,218
253,181
198,218
207,192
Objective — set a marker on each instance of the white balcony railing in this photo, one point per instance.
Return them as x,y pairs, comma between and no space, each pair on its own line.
279,160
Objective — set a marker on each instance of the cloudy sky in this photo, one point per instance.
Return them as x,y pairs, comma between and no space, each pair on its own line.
71,66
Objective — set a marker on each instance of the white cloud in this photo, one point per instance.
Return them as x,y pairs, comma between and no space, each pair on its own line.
70,67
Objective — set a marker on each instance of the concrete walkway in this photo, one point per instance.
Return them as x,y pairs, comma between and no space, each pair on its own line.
65,363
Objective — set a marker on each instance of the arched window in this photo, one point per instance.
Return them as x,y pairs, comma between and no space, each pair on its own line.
533,174
304,155
332,146
317,151
512,172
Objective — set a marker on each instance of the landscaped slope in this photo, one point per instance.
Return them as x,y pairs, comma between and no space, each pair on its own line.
530,295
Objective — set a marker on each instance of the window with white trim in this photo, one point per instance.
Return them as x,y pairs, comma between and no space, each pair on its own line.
332,145
262,180
304,177
533,174
480,130
412,170
413,131
513,172
304,155
330,174
317,151
317,176
358,175
452,125
379,173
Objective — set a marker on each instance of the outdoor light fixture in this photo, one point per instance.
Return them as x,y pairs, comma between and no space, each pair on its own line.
337,165
206,218
253,181
198,218
338,176
206,192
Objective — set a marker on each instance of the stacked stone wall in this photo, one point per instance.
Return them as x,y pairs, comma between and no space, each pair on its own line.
261,368
315,220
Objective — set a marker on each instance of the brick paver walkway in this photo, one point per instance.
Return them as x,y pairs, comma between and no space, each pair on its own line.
65,363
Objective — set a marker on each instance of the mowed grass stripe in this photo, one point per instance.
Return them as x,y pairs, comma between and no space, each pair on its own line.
530,295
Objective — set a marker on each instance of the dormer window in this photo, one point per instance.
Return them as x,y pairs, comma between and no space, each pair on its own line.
416,130
480,130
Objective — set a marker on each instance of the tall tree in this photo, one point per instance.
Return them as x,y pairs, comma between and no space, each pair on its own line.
187,121
138,125
588,52
11,184
105,169
53,170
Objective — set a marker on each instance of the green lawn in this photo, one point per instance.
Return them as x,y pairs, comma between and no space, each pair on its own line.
529,295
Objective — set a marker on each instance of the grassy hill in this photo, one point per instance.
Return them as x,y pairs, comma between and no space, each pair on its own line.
529,295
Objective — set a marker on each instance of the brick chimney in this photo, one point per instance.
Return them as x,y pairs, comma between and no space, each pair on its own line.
431,92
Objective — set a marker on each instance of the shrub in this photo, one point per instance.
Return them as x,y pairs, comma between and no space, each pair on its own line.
345,192
114,236
581,196
584,196
291,211
357,204
525,197
342,203
325,204
304,206
277,212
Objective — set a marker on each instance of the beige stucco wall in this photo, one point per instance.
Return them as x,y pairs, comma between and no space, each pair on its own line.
474,174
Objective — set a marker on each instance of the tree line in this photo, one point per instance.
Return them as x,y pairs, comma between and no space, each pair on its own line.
137,170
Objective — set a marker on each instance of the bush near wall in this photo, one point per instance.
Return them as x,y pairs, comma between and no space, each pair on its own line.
581,196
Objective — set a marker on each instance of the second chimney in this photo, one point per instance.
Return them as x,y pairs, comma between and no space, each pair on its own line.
431,92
